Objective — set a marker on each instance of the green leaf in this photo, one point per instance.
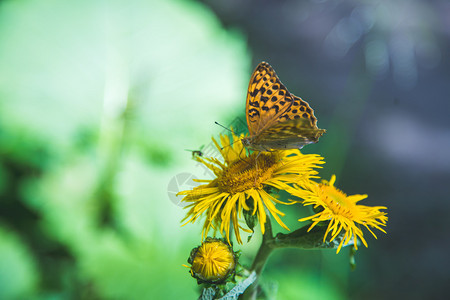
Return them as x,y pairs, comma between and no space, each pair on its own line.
304,239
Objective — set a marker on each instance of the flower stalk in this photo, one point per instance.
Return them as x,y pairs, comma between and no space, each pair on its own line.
266,248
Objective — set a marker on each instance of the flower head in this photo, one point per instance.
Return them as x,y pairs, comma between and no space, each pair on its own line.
213,261
241,184
342,212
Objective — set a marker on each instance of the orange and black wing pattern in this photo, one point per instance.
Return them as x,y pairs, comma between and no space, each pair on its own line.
276,118
267,99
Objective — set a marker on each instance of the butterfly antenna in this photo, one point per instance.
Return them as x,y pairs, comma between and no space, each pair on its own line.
217,123
224,127
221,148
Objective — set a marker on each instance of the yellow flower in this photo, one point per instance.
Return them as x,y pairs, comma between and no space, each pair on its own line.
241,184
342,211
213,261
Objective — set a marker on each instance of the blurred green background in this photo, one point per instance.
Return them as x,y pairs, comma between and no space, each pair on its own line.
100,99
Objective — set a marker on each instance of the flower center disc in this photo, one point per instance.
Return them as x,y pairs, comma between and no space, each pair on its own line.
250,172
337,201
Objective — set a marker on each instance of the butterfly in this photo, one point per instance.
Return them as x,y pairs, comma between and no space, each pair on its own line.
277,119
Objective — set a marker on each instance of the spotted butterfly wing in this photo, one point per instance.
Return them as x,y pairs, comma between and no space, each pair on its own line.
277,119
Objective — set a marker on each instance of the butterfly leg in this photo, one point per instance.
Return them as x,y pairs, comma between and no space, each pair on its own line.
256,165
243,159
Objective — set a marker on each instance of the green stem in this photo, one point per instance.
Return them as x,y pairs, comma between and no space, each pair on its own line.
300,238
264,250
261,257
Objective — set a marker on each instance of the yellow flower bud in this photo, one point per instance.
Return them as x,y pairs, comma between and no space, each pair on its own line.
213,261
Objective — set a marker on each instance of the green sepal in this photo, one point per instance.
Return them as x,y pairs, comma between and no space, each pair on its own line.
251,221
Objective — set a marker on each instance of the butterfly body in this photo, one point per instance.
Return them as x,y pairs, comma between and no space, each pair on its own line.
277,119
284,137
